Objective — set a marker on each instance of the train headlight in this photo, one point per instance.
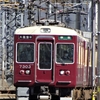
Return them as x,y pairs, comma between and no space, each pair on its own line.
67,72
45,30
62,72
21,72
27,72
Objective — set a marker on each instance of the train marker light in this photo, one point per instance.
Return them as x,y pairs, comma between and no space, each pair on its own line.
67,72
21,72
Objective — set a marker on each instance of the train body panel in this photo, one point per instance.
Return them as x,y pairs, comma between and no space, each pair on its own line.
50,56
51,75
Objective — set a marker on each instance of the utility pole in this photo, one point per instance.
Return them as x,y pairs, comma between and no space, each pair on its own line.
78,18
98,58
93,41
3,47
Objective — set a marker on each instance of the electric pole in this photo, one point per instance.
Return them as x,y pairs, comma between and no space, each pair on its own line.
93,41
98,58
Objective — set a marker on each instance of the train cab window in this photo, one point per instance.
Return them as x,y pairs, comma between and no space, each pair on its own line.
65,53
45,55
25,52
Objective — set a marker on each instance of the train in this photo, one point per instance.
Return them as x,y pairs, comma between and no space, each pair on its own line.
51,62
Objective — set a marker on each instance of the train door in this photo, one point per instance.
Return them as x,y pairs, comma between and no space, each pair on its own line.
44,62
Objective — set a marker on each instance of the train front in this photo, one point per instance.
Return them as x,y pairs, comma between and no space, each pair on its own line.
45,62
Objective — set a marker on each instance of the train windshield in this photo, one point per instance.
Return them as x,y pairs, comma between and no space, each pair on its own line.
65,53
25,52
45,55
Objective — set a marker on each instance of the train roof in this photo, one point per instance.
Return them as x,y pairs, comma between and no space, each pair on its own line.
55,30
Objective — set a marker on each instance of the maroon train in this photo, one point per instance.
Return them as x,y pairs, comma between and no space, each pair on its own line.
51,62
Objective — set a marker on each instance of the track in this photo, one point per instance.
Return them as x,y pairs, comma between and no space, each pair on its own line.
7,95
7,91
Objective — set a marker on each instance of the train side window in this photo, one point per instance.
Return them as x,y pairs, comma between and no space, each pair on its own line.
25,52
65,53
